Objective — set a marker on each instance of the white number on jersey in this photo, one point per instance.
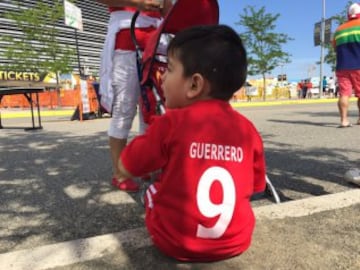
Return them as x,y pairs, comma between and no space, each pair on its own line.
207,208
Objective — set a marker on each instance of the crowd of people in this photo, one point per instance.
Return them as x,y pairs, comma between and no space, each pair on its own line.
330,88
303,89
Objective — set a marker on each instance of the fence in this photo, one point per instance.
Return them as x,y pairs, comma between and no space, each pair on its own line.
249,94
53,99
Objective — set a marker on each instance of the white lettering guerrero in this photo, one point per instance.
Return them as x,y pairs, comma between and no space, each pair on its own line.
215,152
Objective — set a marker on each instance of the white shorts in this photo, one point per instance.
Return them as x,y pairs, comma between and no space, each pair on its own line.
126,87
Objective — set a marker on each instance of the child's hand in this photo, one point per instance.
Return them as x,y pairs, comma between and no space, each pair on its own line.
166,7
122,172
149,5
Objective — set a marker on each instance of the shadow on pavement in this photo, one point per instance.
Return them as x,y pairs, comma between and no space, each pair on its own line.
55,183
56,187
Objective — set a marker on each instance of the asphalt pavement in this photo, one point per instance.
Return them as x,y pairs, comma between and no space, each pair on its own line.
58,209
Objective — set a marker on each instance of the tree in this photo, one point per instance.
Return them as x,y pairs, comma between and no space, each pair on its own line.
262,43
330,57
37,49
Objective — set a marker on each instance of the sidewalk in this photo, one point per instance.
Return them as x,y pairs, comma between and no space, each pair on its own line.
303,234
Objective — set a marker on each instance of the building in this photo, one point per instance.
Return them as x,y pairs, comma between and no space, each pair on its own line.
90,41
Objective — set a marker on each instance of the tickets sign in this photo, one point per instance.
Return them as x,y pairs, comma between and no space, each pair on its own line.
19,76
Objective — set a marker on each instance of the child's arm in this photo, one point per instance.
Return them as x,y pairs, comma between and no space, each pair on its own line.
148,152
259,166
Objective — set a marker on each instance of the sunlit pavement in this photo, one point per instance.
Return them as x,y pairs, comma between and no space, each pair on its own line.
58,208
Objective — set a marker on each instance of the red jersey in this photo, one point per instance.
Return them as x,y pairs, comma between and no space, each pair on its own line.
123,37
211,160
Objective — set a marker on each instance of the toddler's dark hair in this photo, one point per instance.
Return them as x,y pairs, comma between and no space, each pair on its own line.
217,53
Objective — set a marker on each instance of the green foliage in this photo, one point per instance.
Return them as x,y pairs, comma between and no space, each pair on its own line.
263,44
37,48
341,17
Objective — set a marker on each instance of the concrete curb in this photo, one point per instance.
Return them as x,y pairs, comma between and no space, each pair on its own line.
308,206
27,113
66,253
283,102
70,252
46,113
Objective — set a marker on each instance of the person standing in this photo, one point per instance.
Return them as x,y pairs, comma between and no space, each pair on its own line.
304,89
347,47
119,82
299,89
309,87
336,88
331,87
324,86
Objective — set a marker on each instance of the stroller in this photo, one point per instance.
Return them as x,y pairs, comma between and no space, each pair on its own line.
152,62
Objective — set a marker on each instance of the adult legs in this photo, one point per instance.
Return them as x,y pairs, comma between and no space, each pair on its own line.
126,94
116,146
304,93
355,79
343,106
358,103
345,91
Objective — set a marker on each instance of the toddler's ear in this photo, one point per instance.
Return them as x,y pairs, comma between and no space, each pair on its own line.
196,86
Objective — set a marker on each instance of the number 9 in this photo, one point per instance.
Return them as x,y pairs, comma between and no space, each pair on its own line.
207,208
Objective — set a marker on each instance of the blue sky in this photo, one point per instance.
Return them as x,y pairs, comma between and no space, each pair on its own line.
297,19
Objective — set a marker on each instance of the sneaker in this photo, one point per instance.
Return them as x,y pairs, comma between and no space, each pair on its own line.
146,178
128,185
353,176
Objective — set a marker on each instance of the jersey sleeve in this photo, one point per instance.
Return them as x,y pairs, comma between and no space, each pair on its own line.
147,153
259,165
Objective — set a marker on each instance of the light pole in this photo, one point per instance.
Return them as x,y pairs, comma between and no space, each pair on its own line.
322,42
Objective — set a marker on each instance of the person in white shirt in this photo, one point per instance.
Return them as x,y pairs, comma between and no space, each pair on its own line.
331,87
